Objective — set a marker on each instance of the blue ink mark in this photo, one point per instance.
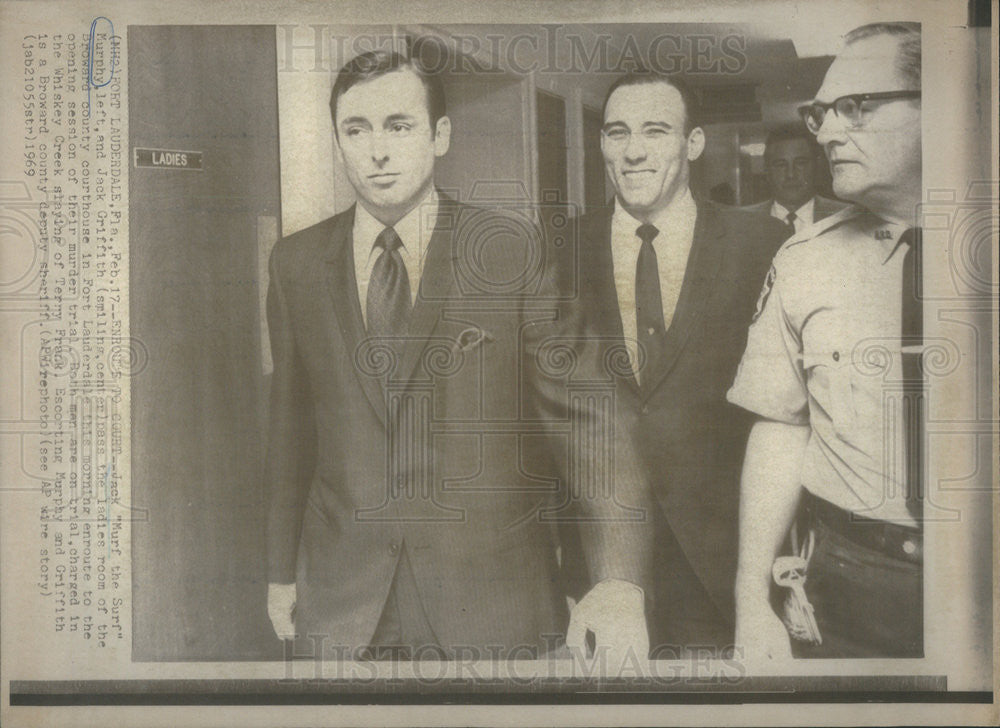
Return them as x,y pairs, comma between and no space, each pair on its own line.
107,513
90,58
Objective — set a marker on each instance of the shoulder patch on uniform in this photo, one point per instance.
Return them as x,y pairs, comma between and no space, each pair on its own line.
764,293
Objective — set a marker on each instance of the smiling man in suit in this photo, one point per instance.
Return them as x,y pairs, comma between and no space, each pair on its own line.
400,521
674,280
791,159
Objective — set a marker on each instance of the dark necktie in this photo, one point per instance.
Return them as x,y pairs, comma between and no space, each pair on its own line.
388,303
648,304
914,402
790,220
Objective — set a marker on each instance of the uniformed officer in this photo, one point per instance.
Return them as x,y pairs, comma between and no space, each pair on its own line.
825,363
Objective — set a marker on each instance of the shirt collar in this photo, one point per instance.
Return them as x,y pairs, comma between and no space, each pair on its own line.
804,211
414,228
624,224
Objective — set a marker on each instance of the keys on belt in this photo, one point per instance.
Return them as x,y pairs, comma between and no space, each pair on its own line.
790,572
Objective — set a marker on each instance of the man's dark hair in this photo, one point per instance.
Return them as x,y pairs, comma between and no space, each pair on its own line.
908,54
643,76
372,64
790,132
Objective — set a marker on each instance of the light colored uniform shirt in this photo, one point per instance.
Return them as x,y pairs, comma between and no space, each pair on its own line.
803,216
672,246
824,350
414,230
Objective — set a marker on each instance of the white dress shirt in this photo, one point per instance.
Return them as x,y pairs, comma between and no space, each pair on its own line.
803,216
414,230
672,246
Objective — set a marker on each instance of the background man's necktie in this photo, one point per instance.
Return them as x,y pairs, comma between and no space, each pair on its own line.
912,332
790,219
388,304
648,303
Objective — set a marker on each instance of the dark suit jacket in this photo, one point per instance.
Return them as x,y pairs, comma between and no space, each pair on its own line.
372,445
690,439
824,207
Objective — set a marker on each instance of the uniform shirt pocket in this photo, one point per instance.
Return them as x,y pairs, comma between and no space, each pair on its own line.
829,375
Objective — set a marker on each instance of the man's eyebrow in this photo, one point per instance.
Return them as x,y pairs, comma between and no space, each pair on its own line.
354,120
645,125
398,117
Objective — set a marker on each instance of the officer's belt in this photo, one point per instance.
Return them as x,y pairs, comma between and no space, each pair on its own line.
891,539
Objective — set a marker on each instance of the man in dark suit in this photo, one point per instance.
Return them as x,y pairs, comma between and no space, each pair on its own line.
791,159
401,523
675,281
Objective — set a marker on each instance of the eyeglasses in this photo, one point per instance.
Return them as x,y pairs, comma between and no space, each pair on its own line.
849,108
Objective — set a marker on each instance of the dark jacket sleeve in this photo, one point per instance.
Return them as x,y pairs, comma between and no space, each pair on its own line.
604,490
291,449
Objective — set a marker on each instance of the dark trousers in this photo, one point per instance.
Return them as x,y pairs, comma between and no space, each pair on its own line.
684,620
403,631
865,582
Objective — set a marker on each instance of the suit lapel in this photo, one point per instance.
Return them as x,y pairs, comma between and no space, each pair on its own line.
436,286
707,250
342,287
597,285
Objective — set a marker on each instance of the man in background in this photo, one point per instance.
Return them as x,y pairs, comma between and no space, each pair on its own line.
791,158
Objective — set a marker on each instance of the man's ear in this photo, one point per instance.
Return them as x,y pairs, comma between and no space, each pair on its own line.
696,143
442,136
